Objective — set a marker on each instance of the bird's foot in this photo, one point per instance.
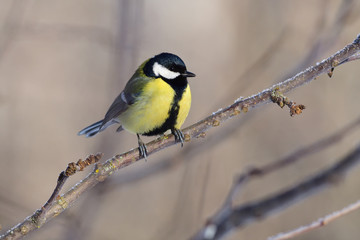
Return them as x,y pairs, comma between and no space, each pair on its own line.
142,148
179,136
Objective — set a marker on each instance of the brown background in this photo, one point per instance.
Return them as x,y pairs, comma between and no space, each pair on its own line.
63,62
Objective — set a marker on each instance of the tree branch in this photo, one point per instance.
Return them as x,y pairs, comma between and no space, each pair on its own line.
102,171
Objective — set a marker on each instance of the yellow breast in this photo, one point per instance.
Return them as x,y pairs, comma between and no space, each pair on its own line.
151,109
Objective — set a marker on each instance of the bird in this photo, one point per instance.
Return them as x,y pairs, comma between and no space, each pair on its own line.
157,98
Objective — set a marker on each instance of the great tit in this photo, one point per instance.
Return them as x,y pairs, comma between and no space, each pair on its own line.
157,98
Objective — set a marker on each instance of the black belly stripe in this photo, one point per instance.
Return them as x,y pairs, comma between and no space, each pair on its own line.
170,122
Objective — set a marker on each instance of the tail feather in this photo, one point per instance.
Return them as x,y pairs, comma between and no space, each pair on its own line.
99,126
92,129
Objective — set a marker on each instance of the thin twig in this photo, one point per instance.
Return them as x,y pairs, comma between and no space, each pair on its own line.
197,130
70,170
318,223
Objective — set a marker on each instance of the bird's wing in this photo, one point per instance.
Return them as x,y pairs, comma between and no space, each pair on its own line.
127,97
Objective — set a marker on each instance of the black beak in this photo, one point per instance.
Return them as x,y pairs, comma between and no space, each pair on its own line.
188,74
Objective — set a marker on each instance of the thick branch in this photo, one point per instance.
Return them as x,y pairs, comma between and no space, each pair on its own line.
102,171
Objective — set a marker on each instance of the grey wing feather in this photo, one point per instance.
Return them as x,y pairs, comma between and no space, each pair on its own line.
126,98
116,108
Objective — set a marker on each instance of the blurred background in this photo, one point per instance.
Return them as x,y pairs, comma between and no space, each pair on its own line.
62,63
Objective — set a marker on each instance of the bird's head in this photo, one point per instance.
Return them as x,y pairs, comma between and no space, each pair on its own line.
167,66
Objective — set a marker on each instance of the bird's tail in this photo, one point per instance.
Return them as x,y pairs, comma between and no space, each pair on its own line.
92,129
98,127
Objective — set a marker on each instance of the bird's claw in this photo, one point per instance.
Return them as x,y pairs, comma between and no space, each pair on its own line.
142,148
179,136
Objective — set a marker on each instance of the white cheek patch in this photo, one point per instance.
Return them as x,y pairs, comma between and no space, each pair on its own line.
159,69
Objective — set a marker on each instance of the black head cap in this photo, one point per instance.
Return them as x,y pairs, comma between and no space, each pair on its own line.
166,65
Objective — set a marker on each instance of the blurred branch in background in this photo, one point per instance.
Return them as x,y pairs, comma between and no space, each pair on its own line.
102,171
290,159
229,218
